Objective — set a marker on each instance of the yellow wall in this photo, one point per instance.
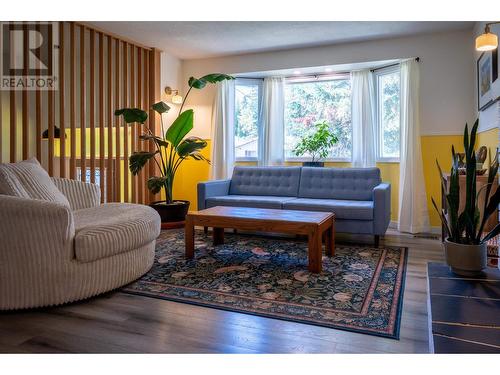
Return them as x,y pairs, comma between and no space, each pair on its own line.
437,147
433,147
489,138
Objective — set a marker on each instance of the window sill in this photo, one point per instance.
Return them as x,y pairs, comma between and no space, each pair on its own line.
245,160
389,161
302,160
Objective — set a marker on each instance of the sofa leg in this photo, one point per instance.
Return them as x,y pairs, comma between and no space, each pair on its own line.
205,230
377,240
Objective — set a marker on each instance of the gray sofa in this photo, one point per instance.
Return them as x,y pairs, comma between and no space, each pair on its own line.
360,200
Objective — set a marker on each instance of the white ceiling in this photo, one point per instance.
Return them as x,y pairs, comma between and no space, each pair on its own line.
193,40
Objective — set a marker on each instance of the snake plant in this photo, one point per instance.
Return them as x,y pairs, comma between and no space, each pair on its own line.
172,147
467,227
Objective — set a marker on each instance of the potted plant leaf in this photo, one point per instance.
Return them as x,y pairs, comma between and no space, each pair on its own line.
465,242
317,144
171,148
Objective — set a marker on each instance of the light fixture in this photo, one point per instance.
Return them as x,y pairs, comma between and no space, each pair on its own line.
328,70
487,41
297,72
176,98
57,133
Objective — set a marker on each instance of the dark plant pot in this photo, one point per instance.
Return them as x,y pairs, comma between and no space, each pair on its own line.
173,212
465,260
313,164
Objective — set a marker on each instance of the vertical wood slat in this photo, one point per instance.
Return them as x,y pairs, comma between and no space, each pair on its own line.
12,115
101,115
147,196
154,90
25,118
51,118
129,84
140,104
92,106
117,122
72,98
2,134
109,172
83,124
125,103
134,126
62,125
13,119
38,114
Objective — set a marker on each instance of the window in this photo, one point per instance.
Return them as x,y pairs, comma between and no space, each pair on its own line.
307,103
388,106
247,102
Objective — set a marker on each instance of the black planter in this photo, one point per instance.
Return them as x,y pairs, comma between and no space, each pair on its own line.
173,212
313,164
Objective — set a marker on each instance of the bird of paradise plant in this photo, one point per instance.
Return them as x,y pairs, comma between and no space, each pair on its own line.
173,146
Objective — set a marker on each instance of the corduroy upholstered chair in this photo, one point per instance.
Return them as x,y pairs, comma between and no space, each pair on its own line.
59,244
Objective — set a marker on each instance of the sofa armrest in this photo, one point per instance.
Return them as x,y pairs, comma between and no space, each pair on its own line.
79,194
381,208
34,229
211,189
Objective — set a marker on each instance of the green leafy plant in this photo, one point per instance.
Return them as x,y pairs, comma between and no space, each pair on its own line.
467,227
173,146
318,143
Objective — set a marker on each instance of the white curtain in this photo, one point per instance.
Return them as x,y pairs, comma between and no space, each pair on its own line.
273,121
223,131
363,119
413,214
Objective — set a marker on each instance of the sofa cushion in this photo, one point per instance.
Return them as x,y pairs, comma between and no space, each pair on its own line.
339,183
27,179
257,201
113,228
343,209
276,181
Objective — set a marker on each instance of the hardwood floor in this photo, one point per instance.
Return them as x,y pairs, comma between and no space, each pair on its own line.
124,323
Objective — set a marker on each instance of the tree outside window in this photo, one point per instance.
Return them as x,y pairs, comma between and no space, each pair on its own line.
307,103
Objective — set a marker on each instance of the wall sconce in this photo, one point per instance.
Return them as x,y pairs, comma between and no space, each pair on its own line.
487,41
57,133
176,98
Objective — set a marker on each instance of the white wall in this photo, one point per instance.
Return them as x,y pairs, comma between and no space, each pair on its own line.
447,85
171,75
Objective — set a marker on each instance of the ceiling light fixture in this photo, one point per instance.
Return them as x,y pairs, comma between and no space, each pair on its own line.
328,70
296,72
176,98
487,41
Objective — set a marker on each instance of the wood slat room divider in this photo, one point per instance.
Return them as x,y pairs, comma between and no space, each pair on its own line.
72,131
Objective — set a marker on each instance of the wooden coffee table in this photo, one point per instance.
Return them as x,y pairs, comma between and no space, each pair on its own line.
316,225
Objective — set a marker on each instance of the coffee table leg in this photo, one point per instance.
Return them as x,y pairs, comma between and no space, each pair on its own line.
315,247
189,237
218,236
332,237
330,240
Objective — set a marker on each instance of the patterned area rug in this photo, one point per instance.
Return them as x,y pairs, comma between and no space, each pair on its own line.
360,288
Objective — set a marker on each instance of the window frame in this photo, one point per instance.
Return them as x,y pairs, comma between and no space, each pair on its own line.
324,78
251,82
379,139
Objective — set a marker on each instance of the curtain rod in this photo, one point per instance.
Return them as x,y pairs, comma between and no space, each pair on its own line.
319,75
417,59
